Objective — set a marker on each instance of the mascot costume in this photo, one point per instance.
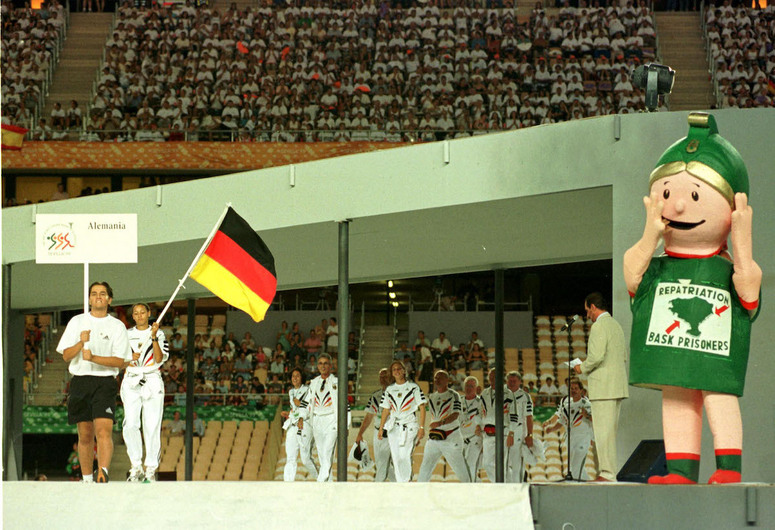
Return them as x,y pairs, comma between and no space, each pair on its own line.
693,306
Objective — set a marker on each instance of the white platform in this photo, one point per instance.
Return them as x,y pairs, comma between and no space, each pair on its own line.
265,505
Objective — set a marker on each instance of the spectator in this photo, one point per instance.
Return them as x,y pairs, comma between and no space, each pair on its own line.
262,361
311,368
198,426
477,360
60,193
275,386
278,366
401,352
176,427
332,336
176,344
548,387
312,344
243,366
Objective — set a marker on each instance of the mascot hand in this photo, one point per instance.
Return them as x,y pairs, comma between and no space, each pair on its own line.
655,226
741,229
748,275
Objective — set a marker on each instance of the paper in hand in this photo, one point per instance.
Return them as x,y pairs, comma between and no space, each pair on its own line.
572,364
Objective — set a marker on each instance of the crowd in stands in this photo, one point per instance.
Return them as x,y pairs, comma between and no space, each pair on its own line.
296,71
33,342
30,40
428,355
741,47
238,372
473,357
366,72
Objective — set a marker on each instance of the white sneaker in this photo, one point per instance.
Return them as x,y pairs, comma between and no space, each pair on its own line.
135,474
150,476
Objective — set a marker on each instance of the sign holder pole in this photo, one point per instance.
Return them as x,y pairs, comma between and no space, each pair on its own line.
86,288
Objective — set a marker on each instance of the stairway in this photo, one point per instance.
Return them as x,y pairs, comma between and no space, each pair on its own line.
682,47
78,63
377,353
51,384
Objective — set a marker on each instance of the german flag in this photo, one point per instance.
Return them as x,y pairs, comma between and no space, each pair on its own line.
238,268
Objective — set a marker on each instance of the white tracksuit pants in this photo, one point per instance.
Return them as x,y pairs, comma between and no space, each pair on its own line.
143,403
579,446
324,432
472,452
513,467
402,439
452,449
296,443
382,460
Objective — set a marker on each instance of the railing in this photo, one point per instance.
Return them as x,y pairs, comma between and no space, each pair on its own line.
394,345
658,47
267,135
220,399
709,56
357,382
99,69
462,305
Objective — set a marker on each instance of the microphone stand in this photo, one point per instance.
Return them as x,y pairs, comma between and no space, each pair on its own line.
569,476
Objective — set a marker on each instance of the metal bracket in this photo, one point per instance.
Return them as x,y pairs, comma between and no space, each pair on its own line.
750,506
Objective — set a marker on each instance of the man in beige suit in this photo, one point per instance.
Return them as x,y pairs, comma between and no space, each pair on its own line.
607,383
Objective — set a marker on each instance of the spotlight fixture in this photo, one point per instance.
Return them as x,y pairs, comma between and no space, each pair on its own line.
656,80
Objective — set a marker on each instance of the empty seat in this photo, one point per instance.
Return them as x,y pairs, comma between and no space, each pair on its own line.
542,320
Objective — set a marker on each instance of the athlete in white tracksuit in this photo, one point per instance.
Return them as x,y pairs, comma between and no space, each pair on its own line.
322,410
444,434
521,423
581,434
381,447
298,433
471,425
142,392
400,402
517,422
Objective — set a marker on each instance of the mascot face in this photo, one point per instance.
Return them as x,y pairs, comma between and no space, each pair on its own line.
697,217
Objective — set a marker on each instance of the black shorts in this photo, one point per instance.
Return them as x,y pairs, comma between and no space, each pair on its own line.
91,397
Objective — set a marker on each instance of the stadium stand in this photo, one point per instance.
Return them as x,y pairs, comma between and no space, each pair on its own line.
741,55
31,43
316,73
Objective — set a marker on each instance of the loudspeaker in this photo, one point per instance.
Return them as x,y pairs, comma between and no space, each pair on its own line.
165,476
648,459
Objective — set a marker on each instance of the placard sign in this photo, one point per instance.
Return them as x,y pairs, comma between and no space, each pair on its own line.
86,238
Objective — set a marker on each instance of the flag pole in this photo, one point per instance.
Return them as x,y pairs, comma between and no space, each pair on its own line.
193,263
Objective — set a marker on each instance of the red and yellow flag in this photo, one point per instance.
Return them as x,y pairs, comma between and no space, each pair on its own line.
12,137
238,267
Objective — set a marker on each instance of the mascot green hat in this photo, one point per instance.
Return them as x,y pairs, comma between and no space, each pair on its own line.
704,154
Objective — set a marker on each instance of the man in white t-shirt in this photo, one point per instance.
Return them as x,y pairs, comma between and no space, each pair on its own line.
332,334
96,346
